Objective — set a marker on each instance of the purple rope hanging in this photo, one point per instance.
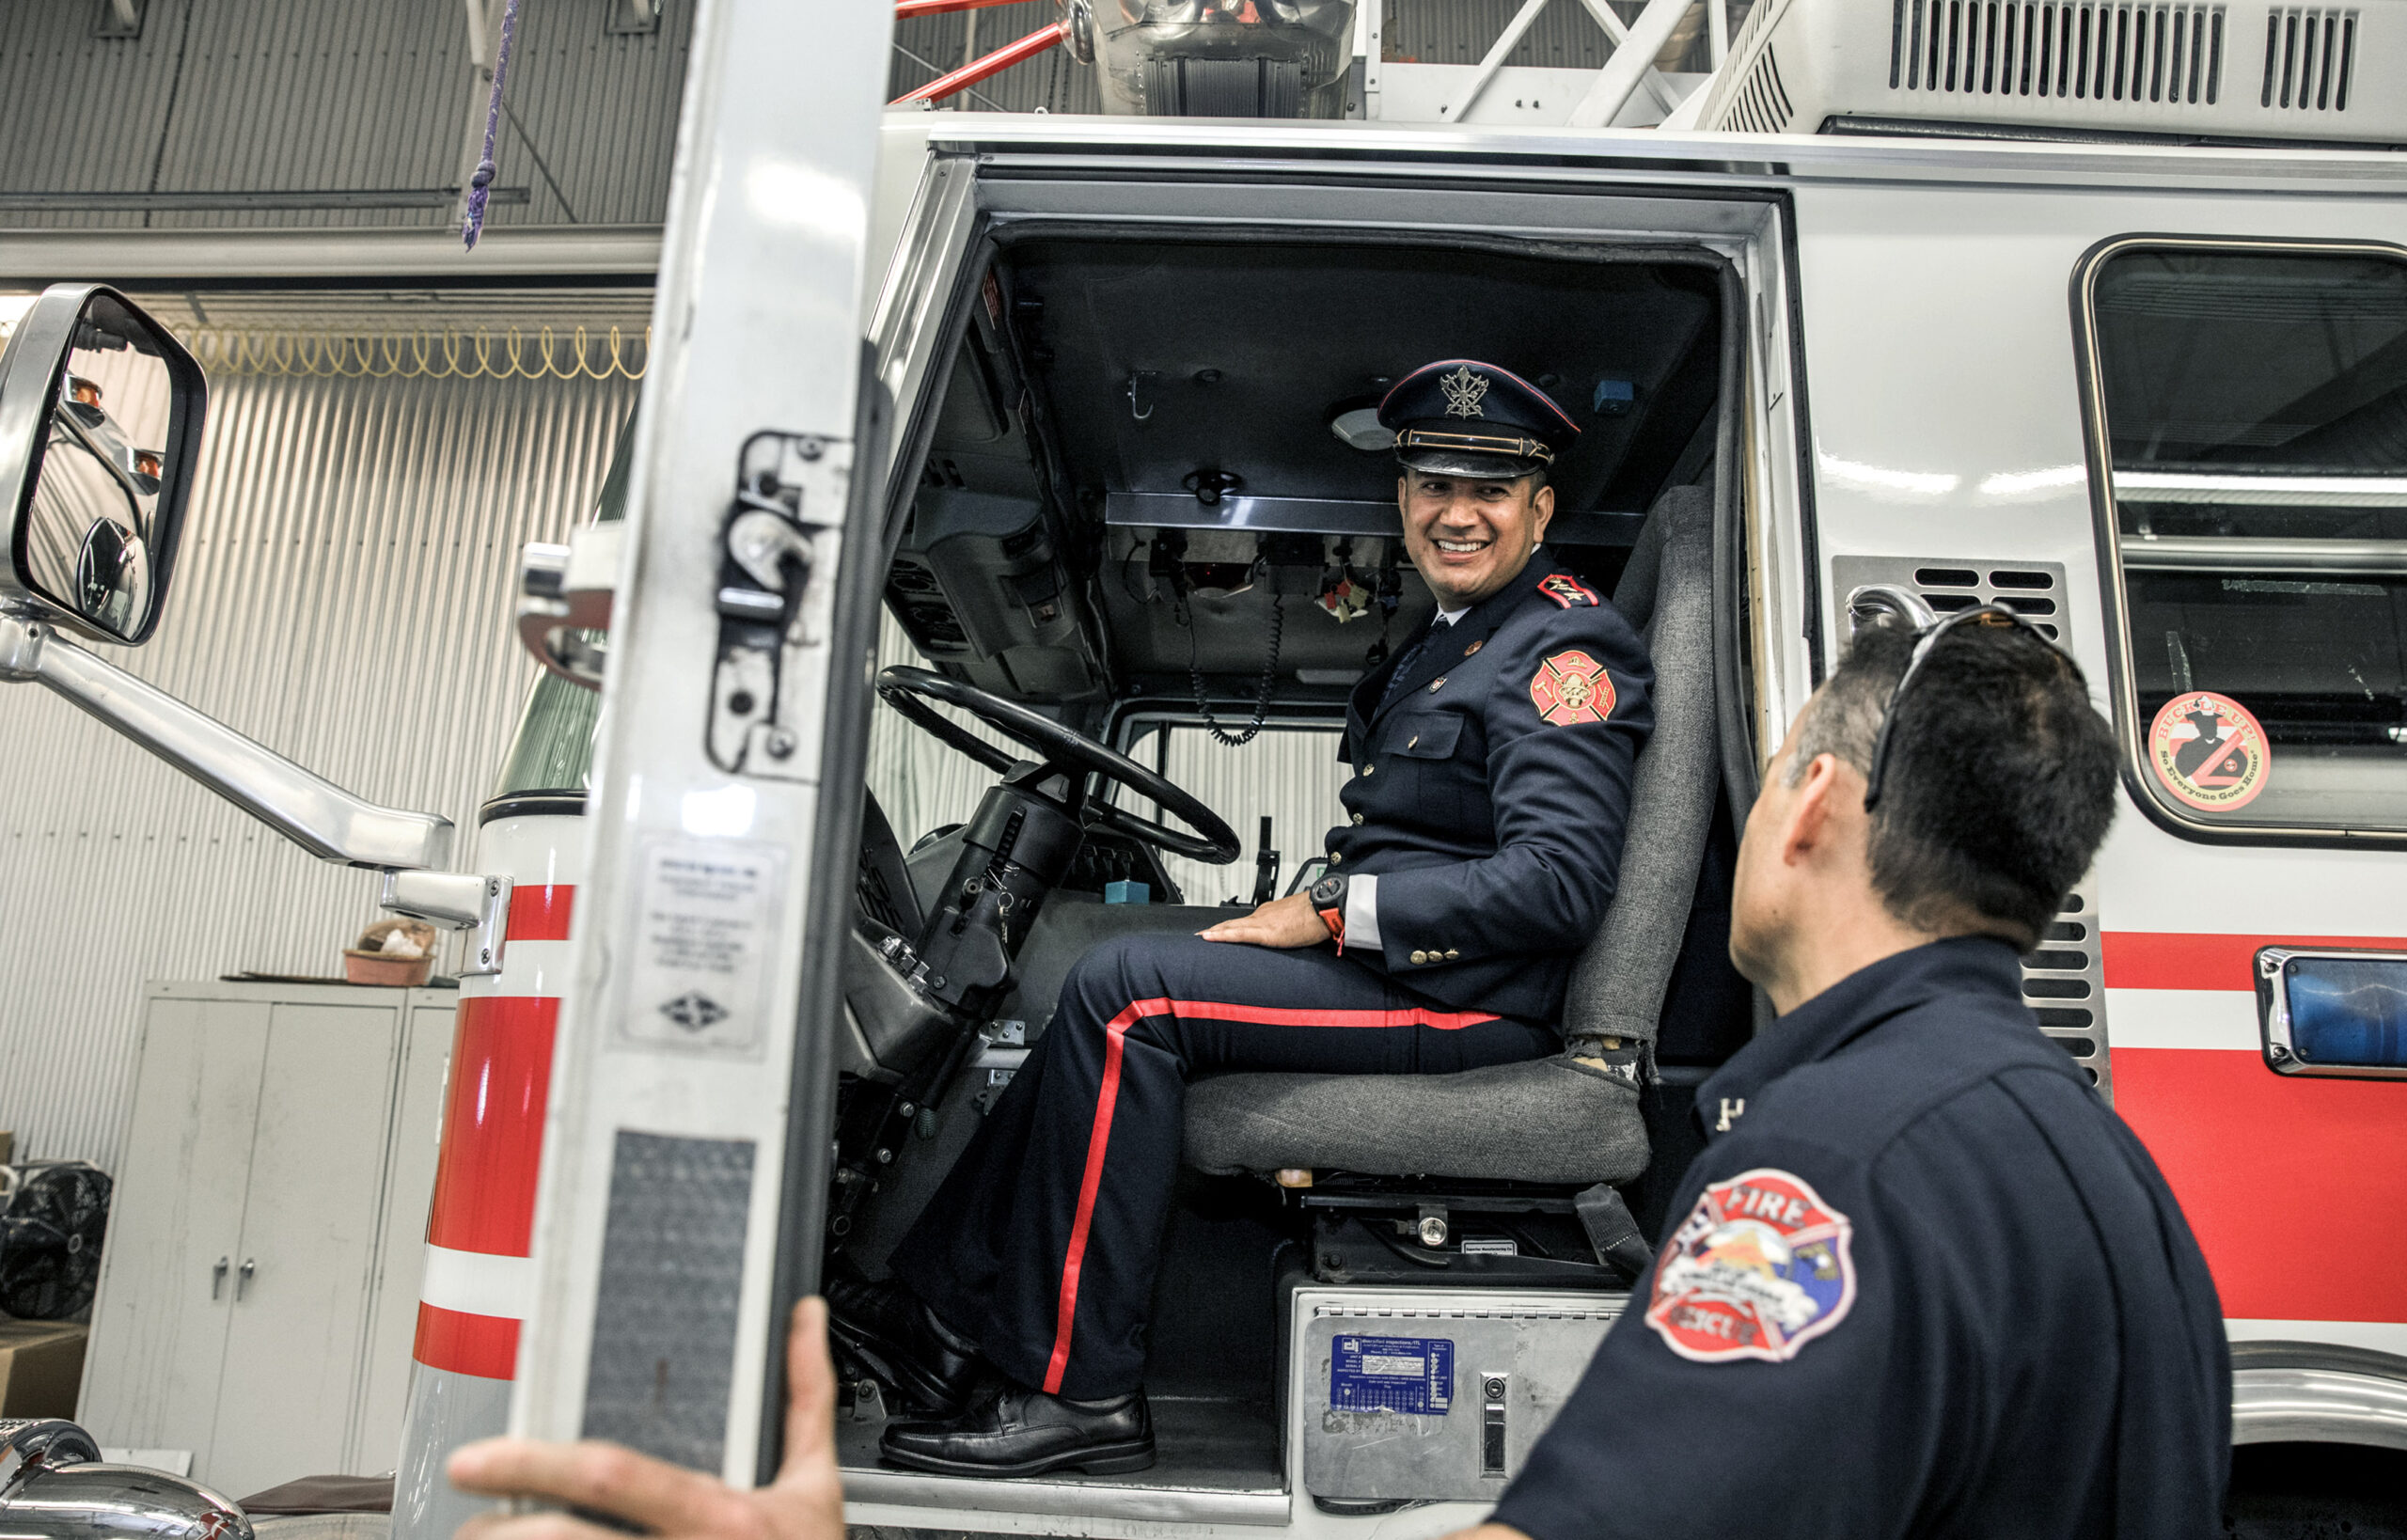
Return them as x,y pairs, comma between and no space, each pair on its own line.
481,182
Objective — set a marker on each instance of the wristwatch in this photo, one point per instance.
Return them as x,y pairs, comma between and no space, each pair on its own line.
1328,902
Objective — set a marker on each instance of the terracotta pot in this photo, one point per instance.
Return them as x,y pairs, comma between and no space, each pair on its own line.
374,967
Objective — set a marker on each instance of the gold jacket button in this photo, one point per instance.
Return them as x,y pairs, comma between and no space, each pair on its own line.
1370,769
1357,818
1452,954
1419,956
1335,856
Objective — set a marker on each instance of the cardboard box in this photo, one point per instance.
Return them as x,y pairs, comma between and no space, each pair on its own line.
42,1365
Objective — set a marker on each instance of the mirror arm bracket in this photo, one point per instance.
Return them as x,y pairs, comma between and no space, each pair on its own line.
307,808
456,901
564,593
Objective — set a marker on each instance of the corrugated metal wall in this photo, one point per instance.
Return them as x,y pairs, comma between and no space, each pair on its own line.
1565,36
344,596
226,97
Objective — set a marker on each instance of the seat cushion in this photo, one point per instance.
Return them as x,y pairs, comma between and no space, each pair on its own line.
1547,1120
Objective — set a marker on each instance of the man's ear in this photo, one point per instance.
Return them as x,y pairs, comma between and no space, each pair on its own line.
1809,828
1403,492
1543,503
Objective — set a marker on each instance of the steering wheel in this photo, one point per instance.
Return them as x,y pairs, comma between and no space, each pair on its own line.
1057,748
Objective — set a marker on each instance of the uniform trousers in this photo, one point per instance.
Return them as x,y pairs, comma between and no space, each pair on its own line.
1042,1243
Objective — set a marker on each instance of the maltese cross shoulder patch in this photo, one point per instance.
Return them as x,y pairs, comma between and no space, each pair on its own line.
1757,1270
1572,688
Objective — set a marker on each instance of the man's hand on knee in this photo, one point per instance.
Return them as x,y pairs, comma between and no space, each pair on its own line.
804,1502
1289,921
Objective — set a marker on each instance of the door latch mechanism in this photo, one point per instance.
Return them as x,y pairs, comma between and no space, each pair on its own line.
776,601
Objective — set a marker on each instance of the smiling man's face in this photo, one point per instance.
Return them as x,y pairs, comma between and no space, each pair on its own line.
1469,537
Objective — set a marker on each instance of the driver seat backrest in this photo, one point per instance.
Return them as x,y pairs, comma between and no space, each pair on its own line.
1571,1118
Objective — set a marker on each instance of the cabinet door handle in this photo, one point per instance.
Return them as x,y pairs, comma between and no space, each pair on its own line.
243,1276
217,1277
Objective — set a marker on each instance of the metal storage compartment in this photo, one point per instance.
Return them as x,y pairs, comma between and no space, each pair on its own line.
1421,1395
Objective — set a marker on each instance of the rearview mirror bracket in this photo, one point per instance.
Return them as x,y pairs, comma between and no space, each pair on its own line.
307,808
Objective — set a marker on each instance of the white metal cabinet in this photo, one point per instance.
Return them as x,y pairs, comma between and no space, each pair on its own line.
263,1255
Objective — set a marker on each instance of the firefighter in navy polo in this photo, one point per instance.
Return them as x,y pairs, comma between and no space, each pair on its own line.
1921,1281
1492,758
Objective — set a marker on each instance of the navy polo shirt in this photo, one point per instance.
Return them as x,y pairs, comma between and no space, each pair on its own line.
1921,1282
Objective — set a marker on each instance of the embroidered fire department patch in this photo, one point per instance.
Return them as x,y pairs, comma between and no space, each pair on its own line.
1566,590
2208,750
1572,688
1759,1269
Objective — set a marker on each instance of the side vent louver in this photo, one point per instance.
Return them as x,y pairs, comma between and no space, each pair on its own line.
2310,57
2064,982
2093,51
2064,977
1761,105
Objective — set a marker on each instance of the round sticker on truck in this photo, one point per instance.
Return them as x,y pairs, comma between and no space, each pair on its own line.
2208,750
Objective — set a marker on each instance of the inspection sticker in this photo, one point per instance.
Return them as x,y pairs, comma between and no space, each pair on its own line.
706,923
2208,750
1391,1373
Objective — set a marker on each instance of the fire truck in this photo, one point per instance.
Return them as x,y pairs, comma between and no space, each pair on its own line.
2096,308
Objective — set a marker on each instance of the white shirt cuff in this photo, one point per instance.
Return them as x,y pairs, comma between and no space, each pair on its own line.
1363,912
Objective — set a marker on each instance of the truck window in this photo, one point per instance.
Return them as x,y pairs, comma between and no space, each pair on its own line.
2250,403
1290,774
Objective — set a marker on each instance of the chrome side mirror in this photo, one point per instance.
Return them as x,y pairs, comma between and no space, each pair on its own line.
100,424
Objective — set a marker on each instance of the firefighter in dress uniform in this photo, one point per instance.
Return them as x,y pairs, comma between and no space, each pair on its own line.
1492,760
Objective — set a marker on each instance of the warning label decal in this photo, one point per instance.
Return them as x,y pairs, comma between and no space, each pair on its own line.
2209,751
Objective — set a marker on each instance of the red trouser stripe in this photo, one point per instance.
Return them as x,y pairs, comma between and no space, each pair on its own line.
492,1126
484,1346
540,913
1114,1035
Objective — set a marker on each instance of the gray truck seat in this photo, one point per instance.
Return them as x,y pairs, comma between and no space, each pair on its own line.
1570,1118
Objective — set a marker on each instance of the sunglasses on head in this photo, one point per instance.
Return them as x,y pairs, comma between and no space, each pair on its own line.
1927,638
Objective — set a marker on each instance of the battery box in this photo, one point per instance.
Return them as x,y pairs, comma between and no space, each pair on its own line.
1410,1395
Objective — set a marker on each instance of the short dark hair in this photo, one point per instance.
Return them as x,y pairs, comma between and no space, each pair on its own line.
2001,775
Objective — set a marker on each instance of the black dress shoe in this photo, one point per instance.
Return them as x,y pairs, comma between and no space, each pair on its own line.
933,1365
1026,1433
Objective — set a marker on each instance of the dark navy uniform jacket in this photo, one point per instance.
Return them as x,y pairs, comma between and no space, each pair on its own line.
1922,1282
1490,793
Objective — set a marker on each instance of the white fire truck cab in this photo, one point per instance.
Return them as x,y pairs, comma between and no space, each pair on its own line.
997,472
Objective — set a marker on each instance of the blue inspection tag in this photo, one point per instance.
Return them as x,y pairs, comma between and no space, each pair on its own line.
1391,1373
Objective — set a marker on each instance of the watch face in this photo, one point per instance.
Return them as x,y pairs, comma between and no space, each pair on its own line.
1327,889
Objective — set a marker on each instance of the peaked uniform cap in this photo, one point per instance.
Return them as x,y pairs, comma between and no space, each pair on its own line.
1459,416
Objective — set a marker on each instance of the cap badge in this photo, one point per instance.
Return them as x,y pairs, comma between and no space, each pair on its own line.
1464,392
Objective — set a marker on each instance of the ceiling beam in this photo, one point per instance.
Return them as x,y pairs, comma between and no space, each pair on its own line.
269,256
